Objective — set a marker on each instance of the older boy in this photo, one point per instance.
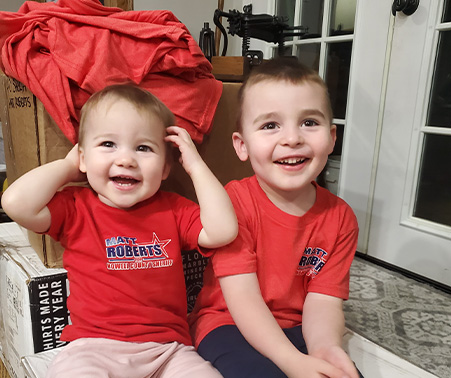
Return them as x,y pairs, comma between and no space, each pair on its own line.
284,278
123,237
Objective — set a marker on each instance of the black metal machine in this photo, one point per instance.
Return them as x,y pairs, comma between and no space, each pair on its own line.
260,26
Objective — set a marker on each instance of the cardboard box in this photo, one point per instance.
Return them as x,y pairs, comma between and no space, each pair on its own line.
123,4
216,149
32,138
33,309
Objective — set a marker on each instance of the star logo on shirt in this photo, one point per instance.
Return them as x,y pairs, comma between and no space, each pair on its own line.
161,243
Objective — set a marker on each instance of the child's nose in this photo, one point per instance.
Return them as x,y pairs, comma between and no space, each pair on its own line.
125,159
292,136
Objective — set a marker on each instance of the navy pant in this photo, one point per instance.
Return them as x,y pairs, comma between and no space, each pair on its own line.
234,357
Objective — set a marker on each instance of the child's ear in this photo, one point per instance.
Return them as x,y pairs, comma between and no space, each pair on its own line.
239,146
81,165
166,170
333,132
333,136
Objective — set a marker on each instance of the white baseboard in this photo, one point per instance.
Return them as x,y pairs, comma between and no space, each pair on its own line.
374,361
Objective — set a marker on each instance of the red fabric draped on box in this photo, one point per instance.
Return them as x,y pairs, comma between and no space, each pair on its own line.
65,51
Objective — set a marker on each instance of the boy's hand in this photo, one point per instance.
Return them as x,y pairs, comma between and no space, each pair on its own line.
73,157
323,327
189,156
338,358
311,367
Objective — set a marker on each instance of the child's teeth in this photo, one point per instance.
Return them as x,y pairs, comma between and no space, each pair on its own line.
291,161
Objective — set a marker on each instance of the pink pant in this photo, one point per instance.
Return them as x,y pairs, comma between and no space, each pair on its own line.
99,358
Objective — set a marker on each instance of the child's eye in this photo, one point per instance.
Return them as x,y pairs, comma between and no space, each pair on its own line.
107,144
309,123
143,148
269,126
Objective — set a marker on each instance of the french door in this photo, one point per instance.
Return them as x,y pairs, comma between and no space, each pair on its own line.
396,166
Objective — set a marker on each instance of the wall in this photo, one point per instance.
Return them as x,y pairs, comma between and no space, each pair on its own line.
10,5
193,13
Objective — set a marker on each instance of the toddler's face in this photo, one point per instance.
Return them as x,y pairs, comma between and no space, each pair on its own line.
124,153
286,134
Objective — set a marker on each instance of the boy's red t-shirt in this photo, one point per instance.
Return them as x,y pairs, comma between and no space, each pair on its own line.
291,255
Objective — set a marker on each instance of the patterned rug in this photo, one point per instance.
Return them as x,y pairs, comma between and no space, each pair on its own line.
409,318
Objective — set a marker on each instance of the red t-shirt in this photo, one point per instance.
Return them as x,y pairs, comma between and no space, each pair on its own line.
125,266
291,255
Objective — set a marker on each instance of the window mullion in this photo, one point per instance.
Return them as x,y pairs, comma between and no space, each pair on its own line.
324,33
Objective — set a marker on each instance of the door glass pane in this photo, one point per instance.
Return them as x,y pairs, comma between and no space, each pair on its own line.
308,54
287,51
433,200
440,104
342,17
312,17
285,10
447,12
337,76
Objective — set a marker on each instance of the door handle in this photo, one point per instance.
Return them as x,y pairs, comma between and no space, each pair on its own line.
407,7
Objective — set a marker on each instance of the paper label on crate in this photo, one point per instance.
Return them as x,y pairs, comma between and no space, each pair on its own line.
49,313
19,96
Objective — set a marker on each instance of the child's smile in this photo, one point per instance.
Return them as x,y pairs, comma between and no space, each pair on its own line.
123,182
291,162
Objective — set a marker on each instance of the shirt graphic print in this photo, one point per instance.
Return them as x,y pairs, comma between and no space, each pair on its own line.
312,261
127,253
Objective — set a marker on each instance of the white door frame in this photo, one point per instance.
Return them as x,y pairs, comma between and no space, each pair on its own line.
366,99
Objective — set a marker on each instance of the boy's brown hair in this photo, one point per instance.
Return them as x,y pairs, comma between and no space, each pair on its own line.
287,69
143,100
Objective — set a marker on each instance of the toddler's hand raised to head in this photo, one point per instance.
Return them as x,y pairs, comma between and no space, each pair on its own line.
189,156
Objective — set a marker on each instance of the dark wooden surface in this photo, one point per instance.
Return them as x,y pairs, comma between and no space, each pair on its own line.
3,371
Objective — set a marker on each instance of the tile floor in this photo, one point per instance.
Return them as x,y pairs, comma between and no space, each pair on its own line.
408,318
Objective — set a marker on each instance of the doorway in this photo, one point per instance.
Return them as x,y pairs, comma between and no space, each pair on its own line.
397,173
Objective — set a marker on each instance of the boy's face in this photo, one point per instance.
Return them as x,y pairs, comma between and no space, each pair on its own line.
286,134
124,153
